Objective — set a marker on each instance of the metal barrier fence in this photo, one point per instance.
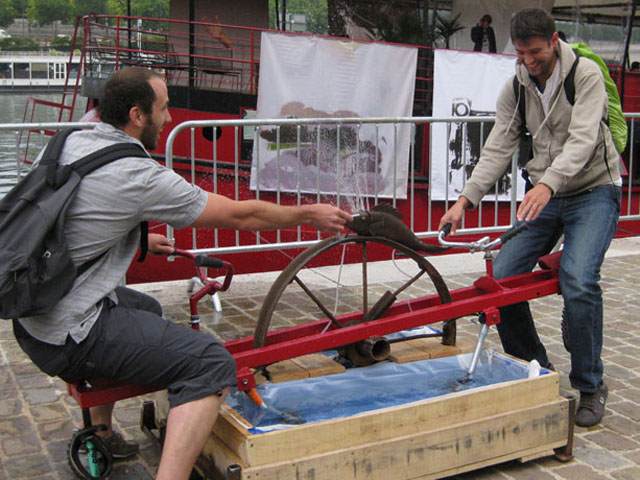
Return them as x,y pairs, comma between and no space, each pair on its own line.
229,176
302,138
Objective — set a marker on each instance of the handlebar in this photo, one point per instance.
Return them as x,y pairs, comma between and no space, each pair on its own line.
201,261
484,243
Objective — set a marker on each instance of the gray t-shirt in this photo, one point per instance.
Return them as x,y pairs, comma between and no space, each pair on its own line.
104,217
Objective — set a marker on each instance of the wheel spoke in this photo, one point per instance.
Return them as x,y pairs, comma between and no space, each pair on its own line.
317,301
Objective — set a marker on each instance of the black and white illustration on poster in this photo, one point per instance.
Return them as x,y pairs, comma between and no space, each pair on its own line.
466,84
311,77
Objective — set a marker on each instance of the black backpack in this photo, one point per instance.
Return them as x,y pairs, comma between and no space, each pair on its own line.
36,270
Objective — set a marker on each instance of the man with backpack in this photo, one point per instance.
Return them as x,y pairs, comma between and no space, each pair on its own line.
103,329
576,190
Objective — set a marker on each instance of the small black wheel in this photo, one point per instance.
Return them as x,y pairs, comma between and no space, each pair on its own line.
564,326
88,456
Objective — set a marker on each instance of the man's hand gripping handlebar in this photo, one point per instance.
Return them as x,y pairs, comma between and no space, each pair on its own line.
485,243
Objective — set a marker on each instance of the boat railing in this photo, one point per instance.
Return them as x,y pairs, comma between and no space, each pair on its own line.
187,53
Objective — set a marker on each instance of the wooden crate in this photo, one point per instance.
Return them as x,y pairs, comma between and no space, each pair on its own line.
431,439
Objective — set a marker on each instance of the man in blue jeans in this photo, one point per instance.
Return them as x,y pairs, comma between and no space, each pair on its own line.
575,191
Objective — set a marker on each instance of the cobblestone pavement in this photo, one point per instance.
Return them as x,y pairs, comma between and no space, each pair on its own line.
37,415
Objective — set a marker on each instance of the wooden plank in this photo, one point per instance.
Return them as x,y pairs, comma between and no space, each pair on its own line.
435,453
318,365
385,424
285,371
434,348
402,352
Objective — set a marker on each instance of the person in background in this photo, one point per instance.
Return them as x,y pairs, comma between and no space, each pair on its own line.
576,191
483,36
635,66
216,31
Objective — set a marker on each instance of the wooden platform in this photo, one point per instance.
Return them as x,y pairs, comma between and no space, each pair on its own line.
431,439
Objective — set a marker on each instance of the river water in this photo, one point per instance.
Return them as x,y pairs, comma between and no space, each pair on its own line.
12,108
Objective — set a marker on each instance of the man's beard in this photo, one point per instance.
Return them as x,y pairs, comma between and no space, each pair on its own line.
149,135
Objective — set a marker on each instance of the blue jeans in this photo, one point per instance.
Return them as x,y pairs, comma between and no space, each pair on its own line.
588,221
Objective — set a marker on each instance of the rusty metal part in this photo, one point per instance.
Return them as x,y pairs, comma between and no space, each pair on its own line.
385,221
290,274
366,352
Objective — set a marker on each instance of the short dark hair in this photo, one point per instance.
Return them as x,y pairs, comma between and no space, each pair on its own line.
127,88
487,18
532,22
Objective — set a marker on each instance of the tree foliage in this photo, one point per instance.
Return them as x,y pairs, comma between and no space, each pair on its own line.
45,12
18,44
140,8
7,13
314,10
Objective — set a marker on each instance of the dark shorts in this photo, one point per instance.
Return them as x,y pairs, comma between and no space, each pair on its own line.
133,343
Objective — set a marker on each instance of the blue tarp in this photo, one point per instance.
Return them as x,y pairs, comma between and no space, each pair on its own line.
364,389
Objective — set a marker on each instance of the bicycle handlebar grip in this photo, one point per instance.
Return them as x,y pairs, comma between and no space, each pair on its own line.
512,232
447,229
204,261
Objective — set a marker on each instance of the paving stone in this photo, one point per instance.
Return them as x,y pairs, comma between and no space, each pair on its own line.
622,425
525,471
599,458
37,396
48,412
632,473
612,441
135,471
57,430
14,426
25,368
579,472
26,466
10,407
627,409
57,449
20,444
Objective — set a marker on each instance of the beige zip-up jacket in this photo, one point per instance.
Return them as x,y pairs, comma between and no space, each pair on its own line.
569,144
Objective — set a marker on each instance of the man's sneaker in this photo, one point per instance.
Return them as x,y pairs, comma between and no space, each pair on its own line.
591,406
117,446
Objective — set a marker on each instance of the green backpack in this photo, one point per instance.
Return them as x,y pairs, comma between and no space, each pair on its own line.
616,121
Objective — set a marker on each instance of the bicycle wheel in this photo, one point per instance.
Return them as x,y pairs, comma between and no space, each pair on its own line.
96,462
289,276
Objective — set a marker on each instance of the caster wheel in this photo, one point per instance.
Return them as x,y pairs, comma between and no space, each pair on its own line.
88,456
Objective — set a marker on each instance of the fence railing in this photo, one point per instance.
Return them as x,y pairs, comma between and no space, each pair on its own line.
298,147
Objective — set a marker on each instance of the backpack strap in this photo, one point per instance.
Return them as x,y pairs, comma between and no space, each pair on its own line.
88,164
569,82
570,92
107,155
518,92
54,147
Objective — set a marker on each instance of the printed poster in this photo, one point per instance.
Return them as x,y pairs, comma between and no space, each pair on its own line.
465,84
312,77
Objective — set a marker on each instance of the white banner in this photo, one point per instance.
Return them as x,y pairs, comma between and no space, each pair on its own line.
465,84
312,77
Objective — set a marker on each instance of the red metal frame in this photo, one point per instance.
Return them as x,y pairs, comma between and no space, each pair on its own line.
486,295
